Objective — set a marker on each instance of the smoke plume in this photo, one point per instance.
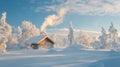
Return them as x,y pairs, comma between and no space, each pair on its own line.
54,19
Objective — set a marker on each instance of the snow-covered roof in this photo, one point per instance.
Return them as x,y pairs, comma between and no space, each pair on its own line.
35,39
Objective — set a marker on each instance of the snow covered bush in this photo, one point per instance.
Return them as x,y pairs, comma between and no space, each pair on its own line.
84,39
96,44
59,42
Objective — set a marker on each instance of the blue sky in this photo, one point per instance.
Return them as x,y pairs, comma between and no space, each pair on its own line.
85,14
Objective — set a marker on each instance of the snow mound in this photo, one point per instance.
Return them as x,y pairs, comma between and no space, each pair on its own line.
114,62
73,48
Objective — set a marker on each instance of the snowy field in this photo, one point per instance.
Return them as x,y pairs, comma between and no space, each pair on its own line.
72,56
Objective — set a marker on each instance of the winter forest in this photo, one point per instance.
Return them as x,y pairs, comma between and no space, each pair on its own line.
15,38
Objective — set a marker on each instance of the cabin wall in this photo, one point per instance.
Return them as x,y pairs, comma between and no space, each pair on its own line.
45,44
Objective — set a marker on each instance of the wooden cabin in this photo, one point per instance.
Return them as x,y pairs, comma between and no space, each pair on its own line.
43,42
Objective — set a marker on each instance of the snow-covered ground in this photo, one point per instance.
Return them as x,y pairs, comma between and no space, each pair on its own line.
73,56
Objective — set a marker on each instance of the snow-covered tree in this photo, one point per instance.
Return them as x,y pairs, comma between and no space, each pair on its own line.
113,33
19,33
103,38
84,39
3,45
5,29
3,32
3,19
59,42
54,36
113,36
71,35
27,31
55,39
108,40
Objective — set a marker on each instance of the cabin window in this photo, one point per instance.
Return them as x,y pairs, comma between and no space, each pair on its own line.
34,46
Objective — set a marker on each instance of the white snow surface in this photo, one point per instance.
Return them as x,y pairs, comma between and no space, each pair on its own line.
72,56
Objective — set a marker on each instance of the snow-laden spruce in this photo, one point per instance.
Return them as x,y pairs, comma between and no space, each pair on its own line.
71,35
5,33
103,39
108,40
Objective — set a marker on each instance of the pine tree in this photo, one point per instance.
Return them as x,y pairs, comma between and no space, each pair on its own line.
103,38
113,33
113,36
70,35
